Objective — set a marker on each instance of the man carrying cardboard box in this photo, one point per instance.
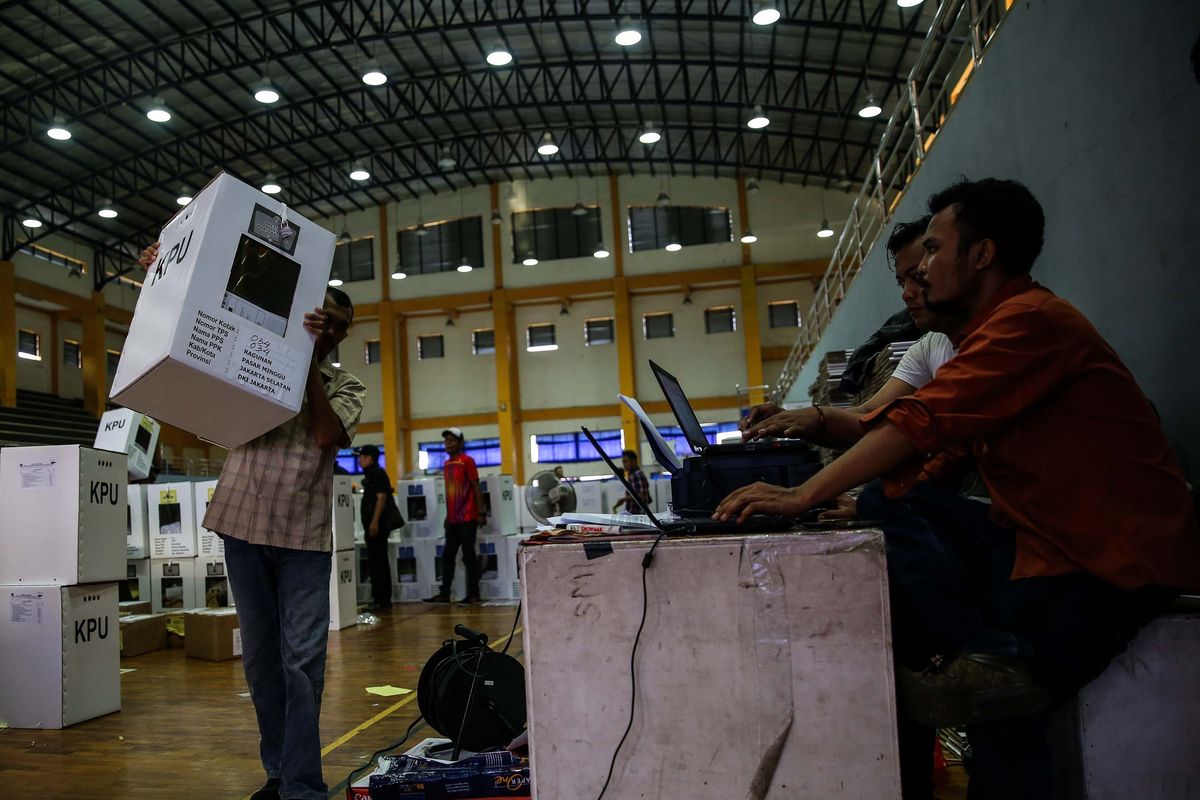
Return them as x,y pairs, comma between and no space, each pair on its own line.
273,508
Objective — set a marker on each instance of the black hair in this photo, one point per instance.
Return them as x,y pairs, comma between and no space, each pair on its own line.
630,454
340,298
904,234
1001,210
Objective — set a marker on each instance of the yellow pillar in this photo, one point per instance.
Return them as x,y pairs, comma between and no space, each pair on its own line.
55,357
95,358
387,349
399,327
8,334
623,317
751,335
508,388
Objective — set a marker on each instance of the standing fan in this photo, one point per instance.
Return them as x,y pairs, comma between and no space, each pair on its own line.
547,496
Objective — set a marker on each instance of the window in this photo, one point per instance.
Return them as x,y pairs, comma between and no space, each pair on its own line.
540,337
72,355
483,341
674,437
430,346
75,266
347,460
29,345
654,227
572,447
721,319
113,358
371,351
598,331
551,233
432,455
660,325
784,314
354,261
442,247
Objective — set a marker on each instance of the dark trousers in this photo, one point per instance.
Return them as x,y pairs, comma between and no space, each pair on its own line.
461,534
379,569
949,569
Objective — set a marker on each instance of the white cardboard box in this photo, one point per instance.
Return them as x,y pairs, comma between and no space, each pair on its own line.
589,498
786,649
217,345
137,535
495,576
343,512
63,515
208,543
500,502
343,610
172,584
171,518
423,504
212,583
124,430
512,546
137,580
412,571
362,574
433,554
60,654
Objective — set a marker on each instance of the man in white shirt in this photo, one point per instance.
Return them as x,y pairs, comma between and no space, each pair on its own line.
839,427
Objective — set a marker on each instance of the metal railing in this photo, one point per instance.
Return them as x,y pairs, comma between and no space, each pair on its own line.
953,49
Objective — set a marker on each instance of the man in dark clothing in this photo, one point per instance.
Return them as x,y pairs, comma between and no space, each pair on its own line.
380,516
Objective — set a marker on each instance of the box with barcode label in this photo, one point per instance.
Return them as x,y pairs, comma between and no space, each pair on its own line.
171,518
59,654
62,515
208,543
212,634
217,345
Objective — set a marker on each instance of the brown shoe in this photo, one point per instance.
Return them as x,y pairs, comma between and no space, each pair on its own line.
440,597
974,687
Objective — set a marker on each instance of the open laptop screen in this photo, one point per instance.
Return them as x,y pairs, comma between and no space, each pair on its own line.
681,408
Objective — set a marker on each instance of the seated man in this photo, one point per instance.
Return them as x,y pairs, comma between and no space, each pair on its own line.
1091,524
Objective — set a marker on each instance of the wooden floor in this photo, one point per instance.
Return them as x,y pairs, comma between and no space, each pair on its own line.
187,730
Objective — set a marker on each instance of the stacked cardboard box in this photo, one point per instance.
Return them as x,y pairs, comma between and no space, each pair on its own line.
61,534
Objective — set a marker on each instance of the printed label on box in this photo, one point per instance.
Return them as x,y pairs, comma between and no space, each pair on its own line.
38,476
167,496
237,641
27,608
263,364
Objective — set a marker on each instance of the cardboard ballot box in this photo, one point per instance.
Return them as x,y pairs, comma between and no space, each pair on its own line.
343,606
171,518
212,634
412,570
208,543
62,515
136,586
59,654
137,534
500,504
142,633
343,512
172,584
212,583
217,345
423,504
124,430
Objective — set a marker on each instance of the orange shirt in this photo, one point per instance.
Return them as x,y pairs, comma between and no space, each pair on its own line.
1069,447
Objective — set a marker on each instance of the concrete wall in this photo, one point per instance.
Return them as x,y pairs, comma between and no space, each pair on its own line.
1094,106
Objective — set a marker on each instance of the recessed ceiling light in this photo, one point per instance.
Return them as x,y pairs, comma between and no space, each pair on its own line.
547,147
265,93
628,33
359,174
825,232
870,108
374,77
748,237
271,188
765,14
465,267
107,212
31,222
398,275
335,282
601,251
530,261
649,136
158,113
674,247
59,133
759,120
499,56
183,199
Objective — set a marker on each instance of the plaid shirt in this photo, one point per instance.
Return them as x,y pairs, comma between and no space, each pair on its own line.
278,489
641,485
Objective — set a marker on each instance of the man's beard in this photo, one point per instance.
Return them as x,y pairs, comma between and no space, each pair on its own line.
958,305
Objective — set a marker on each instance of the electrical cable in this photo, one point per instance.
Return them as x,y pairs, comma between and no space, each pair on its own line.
646,561
513,632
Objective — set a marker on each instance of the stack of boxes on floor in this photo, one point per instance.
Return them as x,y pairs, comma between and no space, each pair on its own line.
61,538
343,605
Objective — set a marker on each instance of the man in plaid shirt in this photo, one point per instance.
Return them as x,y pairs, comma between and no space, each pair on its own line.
637,479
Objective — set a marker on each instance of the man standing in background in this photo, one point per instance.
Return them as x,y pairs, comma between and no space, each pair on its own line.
638,480
380,517
464,517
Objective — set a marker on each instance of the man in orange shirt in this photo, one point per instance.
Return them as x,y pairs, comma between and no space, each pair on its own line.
1091,526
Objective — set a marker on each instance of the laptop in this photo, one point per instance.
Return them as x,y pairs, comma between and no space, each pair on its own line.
694,433
691,526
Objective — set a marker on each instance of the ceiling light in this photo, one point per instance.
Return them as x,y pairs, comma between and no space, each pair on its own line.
563,311
359,174
530,261
765,14
374,76
344,237
649,136
601,251
759,120
335,282
547,147
663,200
422,230
270,186
107,211
465,266
265,93
752,186
499,56
183,199
156,113
687,297
674,247
399,275
450,320
870,108
447,162
58,131
580,210
627,33
909,3
825,231
748,237
337,364
496,218
31,222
